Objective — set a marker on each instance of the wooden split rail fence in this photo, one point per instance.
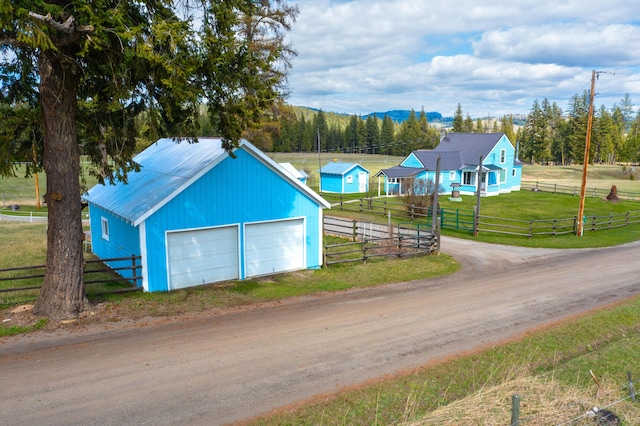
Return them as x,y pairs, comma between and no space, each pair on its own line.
370,240
96,266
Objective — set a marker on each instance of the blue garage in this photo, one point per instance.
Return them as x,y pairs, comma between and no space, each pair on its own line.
196,215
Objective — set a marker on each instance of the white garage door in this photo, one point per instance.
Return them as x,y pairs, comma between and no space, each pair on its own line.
273,247
202,256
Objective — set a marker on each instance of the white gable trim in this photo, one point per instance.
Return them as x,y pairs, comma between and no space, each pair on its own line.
252,150
267,161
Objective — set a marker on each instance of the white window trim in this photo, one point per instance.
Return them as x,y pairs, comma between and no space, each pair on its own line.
350,179
104,224
503,156
452,175
472,178
501,175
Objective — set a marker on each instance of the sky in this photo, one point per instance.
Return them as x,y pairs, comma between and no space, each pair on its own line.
491,57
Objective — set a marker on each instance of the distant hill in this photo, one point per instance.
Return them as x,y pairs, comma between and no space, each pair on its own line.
397,115
400,115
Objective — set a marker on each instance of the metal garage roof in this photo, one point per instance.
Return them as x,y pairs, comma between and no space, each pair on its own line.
166,169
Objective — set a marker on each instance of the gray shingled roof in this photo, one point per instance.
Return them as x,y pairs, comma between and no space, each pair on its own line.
470,145
449,160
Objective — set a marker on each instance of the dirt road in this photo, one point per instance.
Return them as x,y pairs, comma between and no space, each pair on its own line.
227,366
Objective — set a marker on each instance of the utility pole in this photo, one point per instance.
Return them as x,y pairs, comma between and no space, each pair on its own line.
585,165
435,222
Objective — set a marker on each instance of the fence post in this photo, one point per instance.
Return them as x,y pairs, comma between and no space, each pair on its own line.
134,270
632,391
355,230
515,410
626,218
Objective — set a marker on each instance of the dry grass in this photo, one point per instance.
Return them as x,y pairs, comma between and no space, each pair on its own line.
544,401
600,175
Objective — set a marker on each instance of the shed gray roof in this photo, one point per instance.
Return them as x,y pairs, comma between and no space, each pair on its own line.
166,169
339,168
470,145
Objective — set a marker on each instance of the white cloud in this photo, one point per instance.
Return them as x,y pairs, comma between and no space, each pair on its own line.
494,58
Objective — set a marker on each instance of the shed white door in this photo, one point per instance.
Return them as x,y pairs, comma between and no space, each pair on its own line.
202,256
272,247
362,182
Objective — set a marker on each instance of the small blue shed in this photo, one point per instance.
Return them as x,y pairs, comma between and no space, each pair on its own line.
196,215
344,178
301,175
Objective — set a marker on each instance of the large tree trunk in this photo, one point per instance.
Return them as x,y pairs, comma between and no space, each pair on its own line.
62,295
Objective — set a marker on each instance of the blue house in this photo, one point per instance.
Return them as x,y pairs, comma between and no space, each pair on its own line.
344,178
459,164
196,215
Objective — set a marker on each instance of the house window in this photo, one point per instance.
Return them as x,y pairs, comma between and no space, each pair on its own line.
503,156
452,175
349,179
105,228
392,180
468,178
503,175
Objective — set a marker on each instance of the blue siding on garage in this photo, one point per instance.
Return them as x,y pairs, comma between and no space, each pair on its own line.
191,186
234,192
124,240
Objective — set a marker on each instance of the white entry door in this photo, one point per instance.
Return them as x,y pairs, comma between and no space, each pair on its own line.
272,247
362,182
202,256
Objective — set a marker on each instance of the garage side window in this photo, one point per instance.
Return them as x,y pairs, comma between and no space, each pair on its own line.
349,179
105,228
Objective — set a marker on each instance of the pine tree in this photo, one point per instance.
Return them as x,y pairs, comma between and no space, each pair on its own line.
458,121
387,140
90,71
372,134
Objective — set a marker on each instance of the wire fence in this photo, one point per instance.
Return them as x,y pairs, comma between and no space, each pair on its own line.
604,415
576,190
464,220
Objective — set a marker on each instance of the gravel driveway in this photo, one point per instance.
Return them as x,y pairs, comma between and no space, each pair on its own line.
222,367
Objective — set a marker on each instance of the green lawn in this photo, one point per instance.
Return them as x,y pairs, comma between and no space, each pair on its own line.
559,358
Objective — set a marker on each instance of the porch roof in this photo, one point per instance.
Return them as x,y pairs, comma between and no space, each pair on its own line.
400,172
